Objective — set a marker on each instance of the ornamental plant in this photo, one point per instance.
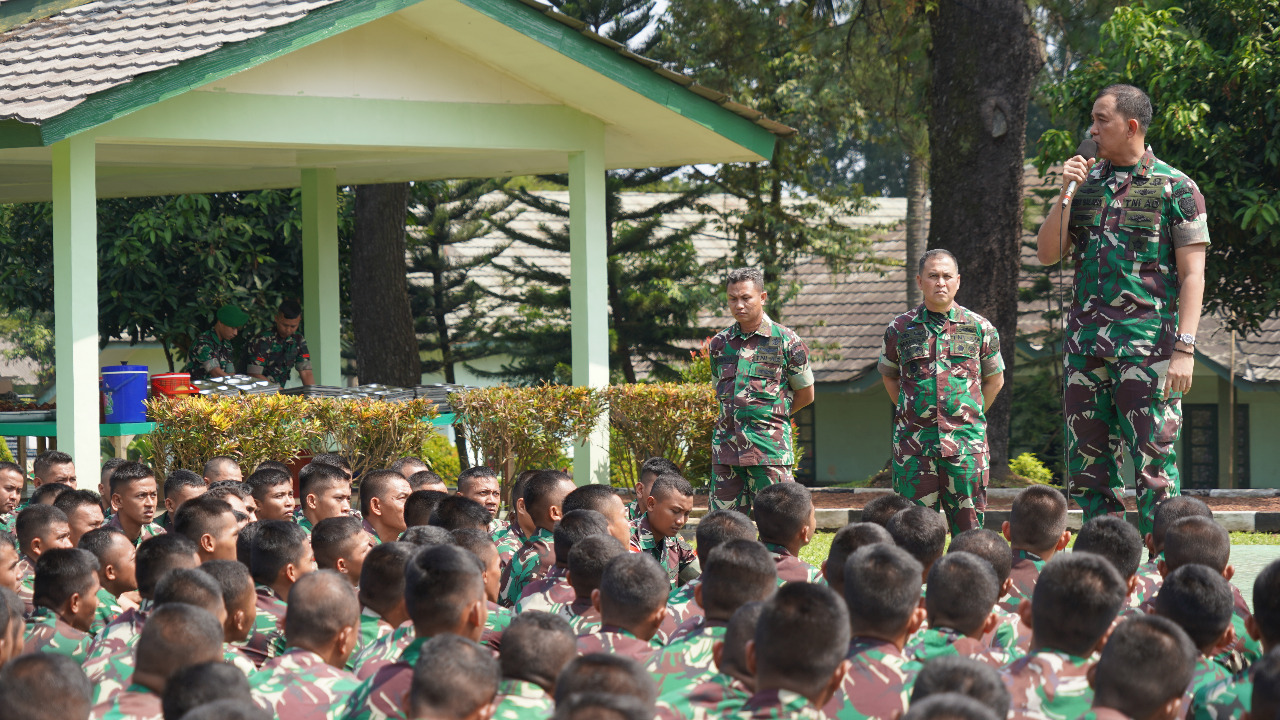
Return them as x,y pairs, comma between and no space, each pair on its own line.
671,420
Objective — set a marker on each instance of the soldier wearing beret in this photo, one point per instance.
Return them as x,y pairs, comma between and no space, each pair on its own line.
210,353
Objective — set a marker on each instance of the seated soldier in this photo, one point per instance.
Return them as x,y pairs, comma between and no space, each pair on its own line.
604,673
798,652
481,484
535,648
965,676
1010,636
1143,670
281,555
117,574
587,561
176,635
1231,698
324,492
272,490
738,572
512,534
786,520
41,686
427,480
133,502
454,680
882,592
221,468
544,495
48,493
553,592
408,466
922,532
39,528
649,471
1076,598
83,509
420,505
477,542
333,459
382,497
383,610
657,534
185,585
211,524
341,545
1119,543
962,593
455,512
1167,512
1036,530
13,629
1199,601
1201,541
715,528
179,487
444,593
309,680
240,603
239,497
881,509
732,684
201,684
632,602
66,595
848,540
605,501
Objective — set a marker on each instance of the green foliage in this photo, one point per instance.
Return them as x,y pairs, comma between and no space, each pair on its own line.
1036,425
1029,466
30,333
1211,68
5,455
667,420
442,456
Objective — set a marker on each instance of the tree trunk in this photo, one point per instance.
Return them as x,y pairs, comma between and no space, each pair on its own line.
984,57
386,346
917,229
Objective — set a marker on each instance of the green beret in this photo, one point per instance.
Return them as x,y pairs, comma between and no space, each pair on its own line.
232,316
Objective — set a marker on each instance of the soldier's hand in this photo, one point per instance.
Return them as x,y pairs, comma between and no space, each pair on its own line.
1178,379
1077,169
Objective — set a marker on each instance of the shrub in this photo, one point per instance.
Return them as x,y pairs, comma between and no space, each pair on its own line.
1029,466
671,420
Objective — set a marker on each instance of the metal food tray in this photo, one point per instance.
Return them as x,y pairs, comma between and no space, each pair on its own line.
22,416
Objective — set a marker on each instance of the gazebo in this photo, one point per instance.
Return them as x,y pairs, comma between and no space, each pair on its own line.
157,97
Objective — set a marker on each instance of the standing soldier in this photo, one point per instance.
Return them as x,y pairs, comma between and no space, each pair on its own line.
762,378
942,367
273,355
210,352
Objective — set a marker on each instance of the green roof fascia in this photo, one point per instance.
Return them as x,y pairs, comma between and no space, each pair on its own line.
153,87
20,12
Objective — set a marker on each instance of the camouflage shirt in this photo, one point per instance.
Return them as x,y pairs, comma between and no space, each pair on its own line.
614,640
1024,573
756,375
1048,685
718,696
582,616
1149,581
547,594
777,705
876,685
1206,674
688,660
382,694
372,629
509,538
1225,700
939,642
299,684
533,561
8,522
792,568
682,606
1125,226
209,352
634,511
267,639
674,554
26,584
522,700
940,360
275,357
151,529
46,632
1011,637
108,609
1244,650
495,625
134,703
109,661
382,651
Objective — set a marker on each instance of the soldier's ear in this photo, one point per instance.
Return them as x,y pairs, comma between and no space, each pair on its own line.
751,658
717,654
595,599
1092,674
833,683
1065,540
375,506
1163,568
1132,585
1004,530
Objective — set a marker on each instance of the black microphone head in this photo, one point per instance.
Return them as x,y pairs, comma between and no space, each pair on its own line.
1088,149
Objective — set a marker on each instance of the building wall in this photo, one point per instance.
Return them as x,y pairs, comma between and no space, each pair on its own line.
852,434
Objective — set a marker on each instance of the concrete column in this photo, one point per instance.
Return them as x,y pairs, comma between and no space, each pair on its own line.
75,304
588,295
321,318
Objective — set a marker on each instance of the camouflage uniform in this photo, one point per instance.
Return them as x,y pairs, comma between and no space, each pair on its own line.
9,522
1207,674
792,568
495,625
109,661
267,639
238,659
756,375
718,696
777,705
876,685
1104,713
151,529
27,583
687,661
548,594
300,519
1244,650
382,651
634,511
372,629
368,527
209,352
108,609
300,684
1024,573
1226,700
382,694
682,606
1149,581
46,632
582,616
939,642
1011,637
674,554
275,357
534,561
1125,226
940,429
614,640
509,538
522,700
134,703
1048,684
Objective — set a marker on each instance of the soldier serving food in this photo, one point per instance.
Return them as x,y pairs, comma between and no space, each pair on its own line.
274,354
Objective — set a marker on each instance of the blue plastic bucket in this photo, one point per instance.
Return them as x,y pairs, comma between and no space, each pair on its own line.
124,389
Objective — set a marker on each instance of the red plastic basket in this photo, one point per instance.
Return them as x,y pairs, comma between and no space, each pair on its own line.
173,384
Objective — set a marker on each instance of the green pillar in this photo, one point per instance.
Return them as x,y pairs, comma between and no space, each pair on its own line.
320,314
588,294
75,304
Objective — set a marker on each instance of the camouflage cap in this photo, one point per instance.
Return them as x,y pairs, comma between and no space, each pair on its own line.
232,316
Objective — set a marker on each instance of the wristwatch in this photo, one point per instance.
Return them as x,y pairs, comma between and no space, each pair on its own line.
1187,339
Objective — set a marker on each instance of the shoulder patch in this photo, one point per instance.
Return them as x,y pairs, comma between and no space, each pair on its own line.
1187,204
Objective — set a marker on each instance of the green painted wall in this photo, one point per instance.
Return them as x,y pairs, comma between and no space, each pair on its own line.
852,433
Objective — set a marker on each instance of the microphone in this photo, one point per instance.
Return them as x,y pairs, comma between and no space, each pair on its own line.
1088,148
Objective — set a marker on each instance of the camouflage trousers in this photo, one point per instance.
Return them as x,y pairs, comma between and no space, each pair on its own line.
956,485
1114,404
736,485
